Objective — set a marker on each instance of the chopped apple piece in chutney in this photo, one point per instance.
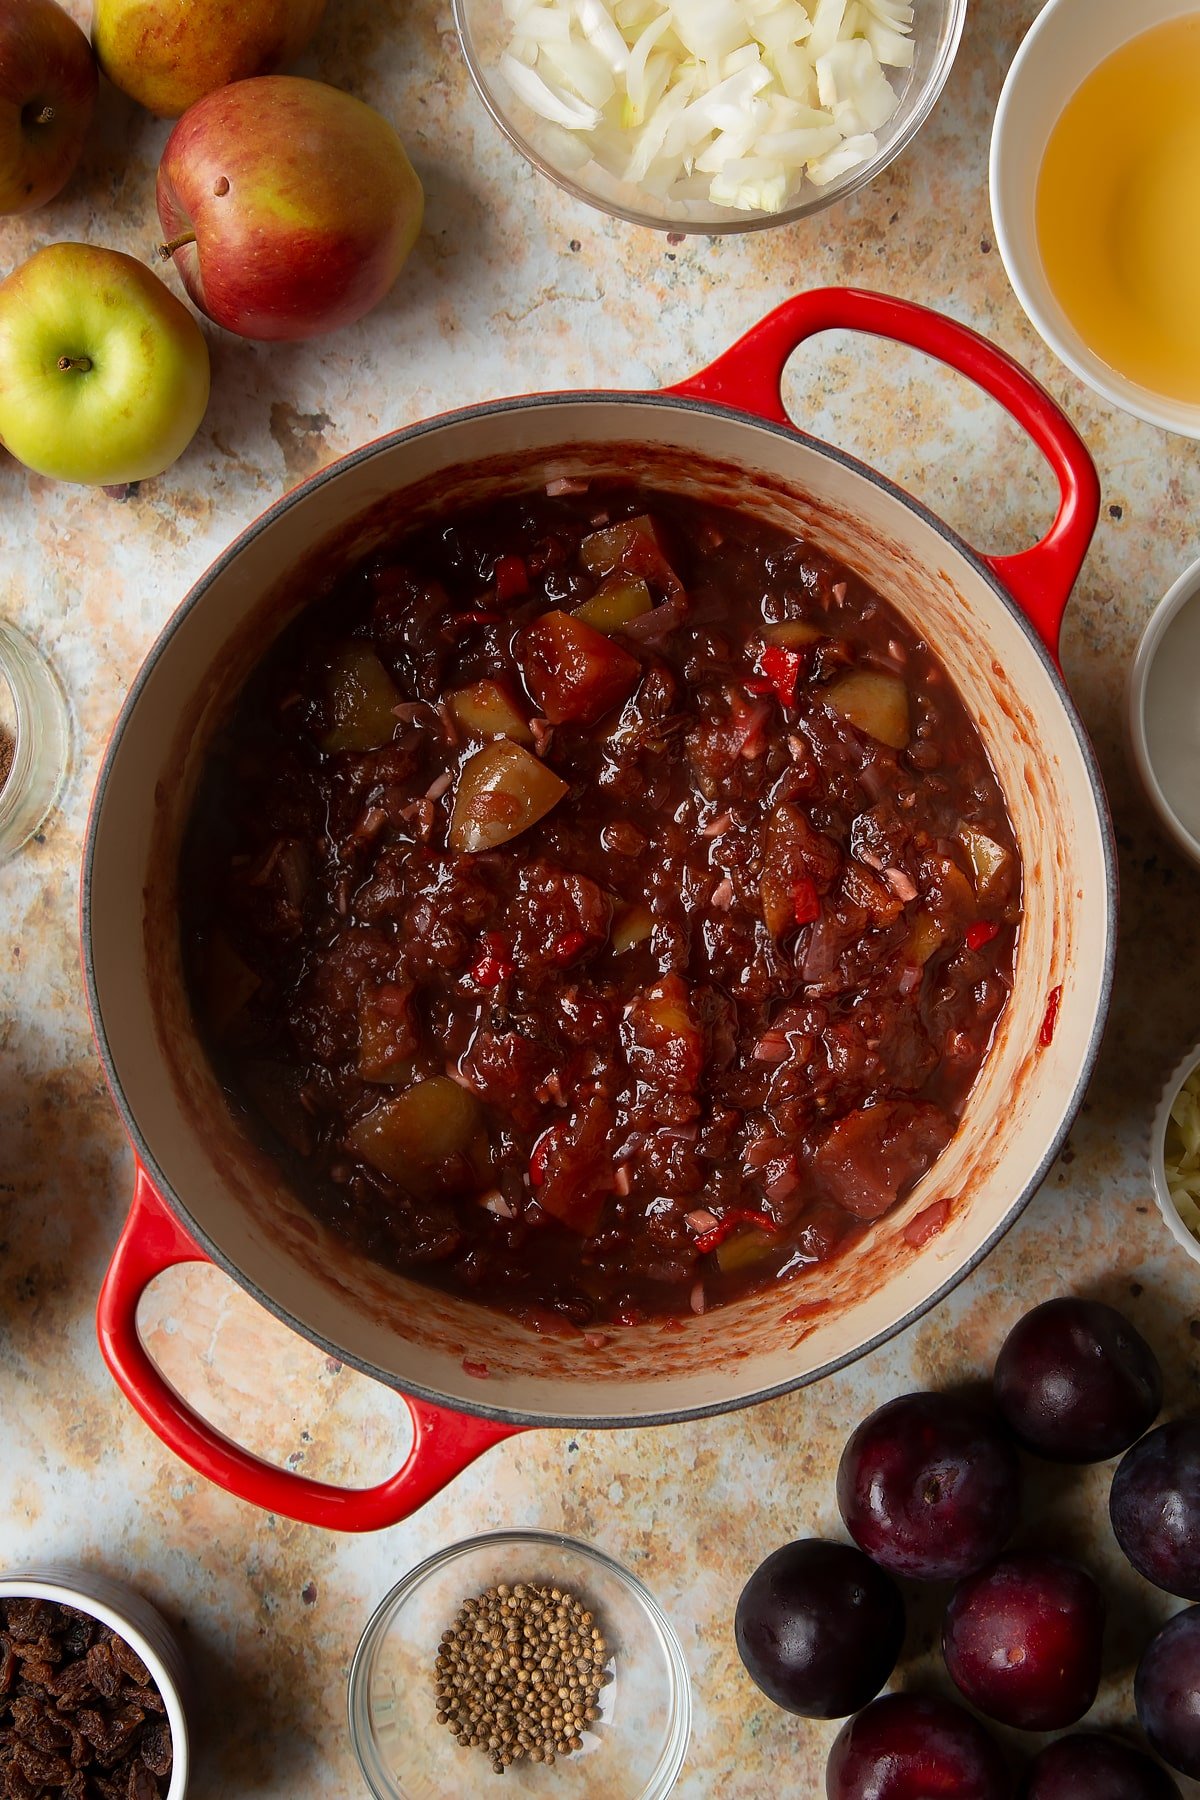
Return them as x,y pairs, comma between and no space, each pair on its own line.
362,701
487,710
602,904
874,702
501,791
988,860
615,602
408,1136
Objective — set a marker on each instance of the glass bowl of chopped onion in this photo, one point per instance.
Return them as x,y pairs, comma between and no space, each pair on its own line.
710,116
1175,1153
439,1634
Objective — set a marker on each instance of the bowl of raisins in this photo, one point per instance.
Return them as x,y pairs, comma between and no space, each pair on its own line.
91,1690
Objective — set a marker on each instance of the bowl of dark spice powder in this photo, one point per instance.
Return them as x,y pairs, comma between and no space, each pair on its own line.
520,1662
91,1681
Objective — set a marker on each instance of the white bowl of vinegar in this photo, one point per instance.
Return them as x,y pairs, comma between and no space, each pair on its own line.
1095,190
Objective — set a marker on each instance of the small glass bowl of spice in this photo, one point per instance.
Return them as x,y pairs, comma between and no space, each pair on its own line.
520,1662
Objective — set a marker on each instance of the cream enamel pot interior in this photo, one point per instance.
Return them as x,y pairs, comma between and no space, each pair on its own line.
473,1376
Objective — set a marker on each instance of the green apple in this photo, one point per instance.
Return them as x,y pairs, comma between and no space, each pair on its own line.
103,372
167,54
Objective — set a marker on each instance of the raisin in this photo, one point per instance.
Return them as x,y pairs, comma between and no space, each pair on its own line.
41,1649
123,1729
44,1768
36,1724
104,1670
16,1786
131,1663
25,1619
155,1749
142,1785
71,1686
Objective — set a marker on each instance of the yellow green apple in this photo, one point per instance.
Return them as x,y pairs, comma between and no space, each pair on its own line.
48,85
167,54
104,374
288,206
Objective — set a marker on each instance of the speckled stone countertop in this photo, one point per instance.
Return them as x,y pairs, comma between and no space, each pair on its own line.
513,287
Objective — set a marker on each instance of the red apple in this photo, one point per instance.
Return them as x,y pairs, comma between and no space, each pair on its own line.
48,85
288,206
167,55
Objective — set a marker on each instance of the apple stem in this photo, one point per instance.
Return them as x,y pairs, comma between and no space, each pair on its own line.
167,251
81,363
45,116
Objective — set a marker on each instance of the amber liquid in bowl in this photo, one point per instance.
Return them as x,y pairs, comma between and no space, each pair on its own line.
1118,209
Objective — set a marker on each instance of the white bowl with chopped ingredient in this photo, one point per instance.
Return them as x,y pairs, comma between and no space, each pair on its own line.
710,116
442,1687
1175,1153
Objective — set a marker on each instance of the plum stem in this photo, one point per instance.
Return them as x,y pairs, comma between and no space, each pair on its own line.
167,251
80,363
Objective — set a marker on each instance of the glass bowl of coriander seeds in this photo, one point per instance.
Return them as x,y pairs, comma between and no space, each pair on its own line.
525,1662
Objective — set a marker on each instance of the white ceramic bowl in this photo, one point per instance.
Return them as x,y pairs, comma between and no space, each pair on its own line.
1158,1170
143,1628
1066,42
1163,711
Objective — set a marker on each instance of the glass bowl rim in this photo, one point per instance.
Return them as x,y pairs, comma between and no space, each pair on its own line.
1187,1065
670,1763
925,100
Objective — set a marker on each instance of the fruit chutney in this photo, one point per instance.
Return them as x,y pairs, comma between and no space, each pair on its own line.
601,904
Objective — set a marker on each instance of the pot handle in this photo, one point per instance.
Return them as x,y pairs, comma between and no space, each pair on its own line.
444,1442
749,374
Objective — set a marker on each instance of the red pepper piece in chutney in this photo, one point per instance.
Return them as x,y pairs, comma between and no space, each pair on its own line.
712,1239
980,933
783,669
573,671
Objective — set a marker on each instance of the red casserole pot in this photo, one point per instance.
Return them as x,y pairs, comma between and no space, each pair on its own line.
471,1376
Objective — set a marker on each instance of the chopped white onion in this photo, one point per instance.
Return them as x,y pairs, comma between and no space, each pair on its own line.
597,26
731,101
559,108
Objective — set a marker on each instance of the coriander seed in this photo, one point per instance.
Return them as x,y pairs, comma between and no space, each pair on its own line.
519,1672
